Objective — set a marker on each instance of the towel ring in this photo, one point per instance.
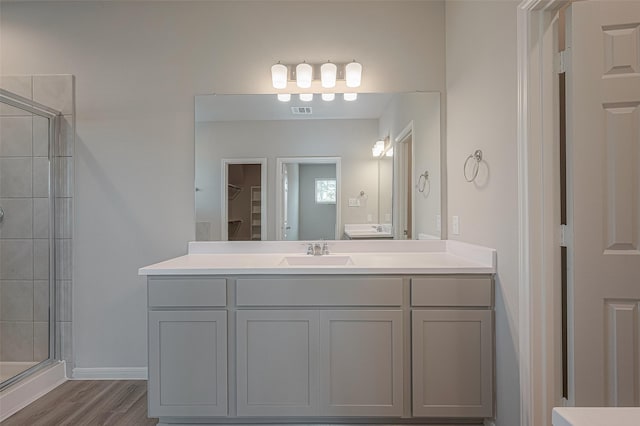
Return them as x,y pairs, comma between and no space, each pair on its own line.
477,155
423,181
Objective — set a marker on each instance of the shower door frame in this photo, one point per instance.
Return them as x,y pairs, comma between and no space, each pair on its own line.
53,116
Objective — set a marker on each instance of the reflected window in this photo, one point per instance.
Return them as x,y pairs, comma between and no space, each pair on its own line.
325,191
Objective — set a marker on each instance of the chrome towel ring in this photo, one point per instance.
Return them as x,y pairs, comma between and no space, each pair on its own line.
477,155
424,182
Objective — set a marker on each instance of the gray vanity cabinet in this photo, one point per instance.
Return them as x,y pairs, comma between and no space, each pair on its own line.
187,326
452,347
277,363
361,363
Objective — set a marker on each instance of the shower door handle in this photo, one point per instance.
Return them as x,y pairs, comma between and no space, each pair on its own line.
1,214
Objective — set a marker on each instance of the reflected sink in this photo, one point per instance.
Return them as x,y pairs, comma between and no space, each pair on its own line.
326,260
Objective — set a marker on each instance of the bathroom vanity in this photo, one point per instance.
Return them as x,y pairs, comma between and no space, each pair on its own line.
374,332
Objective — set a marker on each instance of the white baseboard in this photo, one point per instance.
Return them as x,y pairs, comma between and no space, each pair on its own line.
110,373
23,393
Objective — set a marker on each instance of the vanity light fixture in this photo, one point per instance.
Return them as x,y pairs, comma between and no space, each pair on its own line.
306,97
389,152
279,76
284,97
320,78
353,74
304,75
328,74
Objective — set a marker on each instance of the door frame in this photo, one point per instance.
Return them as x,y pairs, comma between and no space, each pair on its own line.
400,175
224,197
539,297
306,160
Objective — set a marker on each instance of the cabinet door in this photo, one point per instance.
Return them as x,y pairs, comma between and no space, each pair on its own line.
452,363
187,363
277,354
361,363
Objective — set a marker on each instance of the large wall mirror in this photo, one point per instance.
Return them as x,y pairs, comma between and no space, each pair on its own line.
370,165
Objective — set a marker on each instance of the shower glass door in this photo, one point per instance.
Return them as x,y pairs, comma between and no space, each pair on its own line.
27,137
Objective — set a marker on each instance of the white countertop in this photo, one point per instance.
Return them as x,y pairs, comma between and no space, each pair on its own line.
347,257
596,416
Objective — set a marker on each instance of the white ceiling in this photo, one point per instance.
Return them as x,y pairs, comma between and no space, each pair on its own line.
268,107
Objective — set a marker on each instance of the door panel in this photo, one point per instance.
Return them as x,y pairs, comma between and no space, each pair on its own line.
603,124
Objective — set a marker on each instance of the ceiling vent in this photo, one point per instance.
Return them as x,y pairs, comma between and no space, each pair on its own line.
301,110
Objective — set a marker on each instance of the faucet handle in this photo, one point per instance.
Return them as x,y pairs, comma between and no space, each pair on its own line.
325,248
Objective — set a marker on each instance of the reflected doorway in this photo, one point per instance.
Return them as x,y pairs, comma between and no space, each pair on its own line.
404,177
244,199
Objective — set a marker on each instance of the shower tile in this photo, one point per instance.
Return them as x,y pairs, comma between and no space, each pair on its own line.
16,259
64,218
41,259
40,136
63,300
40,341
20,85
64,176
40,177
65,141
40,218
40,300
63,259
16,340
15,177
15,136
54,91
16,300
17,222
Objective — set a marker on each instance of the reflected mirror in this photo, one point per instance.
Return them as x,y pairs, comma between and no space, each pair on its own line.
368,136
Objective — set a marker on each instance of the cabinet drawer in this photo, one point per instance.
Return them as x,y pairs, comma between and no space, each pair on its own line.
452,291
338,291
187,292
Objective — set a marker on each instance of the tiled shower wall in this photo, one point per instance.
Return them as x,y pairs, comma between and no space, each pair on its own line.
24,294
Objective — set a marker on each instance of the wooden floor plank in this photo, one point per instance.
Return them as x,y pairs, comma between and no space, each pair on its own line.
88,402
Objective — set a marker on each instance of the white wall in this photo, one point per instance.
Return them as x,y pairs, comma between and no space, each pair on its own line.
481,114
137,67
351,140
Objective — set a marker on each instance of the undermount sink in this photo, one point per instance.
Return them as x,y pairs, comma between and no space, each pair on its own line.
326,260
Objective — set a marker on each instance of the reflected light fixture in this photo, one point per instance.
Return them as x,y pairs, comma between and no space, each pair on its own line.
389,152
328,74
284,97
304,75
328,96
306,97
353,74
279,76
378,148
350,97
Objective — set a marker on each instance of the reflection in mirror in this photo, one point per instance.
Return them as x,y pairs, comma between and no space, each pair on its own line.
249,126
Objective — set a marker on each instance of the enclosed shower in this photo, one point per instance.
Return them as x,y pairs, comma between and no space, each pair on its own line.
28,221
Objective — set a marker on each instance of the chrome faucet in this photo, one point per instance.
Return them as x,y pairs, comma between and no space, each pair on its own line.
378,228
317,249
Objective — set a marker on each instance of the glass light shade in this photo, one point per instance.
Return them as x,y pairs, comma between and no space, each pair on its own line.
284,97
328,96
350,96
390,152
304,75
306,97
353,74
378,149
279,76
328,74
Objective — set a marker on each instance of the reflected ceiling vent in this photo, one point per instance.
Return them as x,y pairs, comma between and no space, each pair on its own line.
301,110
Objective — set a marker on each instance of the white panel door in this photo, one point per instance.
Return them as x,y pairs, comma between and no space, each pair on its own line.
361,363
187,363
277,369
603,125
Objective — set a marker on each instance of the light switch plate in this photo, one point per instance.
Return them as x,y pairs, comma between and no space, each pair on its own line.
455,224
354,202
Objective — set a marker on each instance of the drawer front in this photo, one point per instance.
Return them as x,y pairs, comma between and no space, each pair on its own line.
187,292
452,291
338,291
